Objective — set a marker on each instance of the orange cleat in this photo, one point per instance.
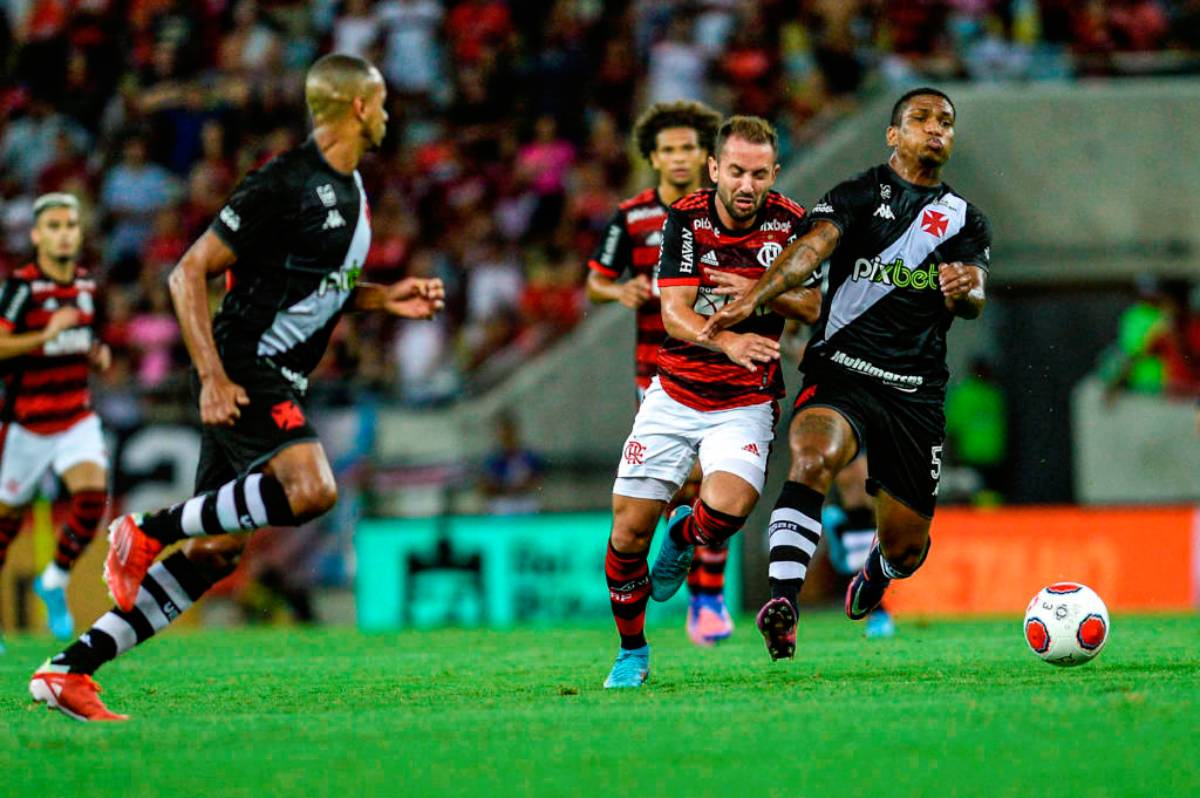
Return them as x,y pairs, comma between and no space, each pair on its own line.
76,695
131,552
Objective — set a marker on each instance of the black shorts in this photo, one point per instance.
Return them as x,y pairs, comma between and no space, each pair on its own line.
904,432
273,420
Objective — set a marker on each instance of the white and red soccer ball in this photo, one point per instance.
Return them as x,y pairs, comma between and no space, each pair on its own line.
1066,624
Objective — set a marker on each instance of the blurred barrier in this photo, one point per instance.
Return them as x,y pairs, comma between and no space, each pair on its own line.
994,561
494,571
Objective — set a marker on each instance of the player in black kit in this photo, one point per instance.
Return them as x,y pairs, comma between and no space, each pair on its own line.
907,254
293,237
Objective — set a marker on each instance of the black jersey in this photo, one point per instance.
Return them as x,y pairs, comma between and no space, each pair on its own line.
883,316
301,231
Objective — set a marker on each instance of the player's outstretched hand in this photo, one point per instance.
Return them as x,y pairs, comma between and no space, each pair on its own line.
731,285
635,292
415,298
100,357
61,319
220,401
748,350
726,317
954,279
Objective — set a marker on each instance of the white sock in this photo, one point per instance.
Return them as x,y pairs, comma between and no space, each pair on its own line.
55,577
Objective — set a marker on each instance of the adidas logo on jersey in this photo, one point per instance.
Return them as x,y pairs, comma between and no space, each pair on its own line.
334,219
710,259
884,211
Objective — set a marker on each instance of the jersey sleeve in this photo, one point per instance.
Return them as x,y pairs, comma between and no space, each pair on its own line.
14,300
841,205
676,259
615,251
252,209
973,244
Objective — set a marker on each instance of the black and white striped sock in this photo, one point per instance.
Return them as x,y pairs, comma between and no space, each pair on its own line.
794,532
246,504
169,588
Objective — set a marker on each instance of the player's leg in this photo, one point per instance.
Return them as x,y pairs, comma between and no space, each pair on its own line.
81,461
901,549
24,459
708,619
10,525
284,479
850,531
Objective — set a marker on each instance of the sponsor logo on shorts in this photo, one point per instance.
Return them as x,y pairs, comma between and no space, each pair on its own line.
287,415
635,453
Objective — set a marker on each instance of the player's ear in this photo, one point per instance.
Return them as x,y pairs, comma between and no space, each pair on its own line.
35,236
714,170
893,136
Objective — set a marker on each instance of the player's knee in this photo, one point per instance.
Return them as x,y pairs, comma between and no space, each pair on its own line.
215,556
311,497
812,467
632,530
908,555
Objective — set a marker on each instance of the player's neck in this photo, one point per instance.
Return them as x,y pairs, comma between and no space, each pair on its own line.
915,172
669,193
340,150
61,271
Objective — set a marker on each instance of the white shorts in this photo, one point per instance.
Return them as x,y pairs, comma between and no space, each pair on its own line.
668,435
26,456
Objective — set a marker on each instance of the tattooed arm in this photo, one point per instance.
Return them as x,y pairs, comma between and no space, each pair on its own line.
793,266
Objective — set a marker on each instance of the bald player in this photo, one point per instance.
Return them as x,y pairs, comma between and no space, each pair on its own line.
292,238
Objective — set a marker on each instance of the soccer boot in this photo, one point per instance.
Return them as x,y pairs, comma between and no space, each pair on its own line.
75,695
62,625
865,592
880,624
131,552
672,564
777,622
708,620
631,668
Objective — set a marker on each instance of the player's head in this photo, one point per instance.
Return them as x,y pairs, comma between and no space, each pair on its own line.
676,138
922,127
341,88
744,164
57,233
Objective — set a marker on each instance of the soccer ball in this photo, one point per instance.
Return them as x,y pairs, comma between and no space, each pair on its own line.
1066,624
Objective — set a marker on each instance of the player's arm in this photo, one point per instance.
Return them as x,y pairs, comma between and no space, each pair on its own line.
610,260
799,304
410,298
963,285
220,397
791,269
683,323
17,344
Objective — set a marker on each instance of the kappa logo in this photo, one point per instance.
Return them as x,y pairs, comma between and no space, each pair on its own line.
327,195
287,415
752,448
635,453
768,252
230,218
934,223
334,219
884,211
710,259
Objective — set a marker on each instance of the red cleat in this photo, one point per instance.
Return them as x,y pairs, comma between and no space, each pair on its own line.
75,695
131,552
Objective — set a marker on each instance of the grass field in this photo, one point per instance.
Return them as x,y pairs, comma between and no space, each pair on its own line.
946,709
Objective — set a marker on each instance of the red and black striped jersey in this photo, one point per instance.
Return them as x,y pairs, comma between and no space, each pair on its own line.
695,244
46,390
630,245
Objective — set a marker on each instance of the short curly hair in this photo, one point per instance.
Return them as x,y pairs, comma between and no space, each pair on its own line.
684,113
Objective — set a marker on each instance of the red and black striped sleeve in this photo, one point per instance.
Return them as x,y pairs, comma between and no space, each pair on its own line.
14,301
614,254
677,258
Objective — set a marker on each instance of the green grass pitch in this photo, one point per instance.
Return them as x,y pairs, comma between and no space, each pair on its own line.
946,709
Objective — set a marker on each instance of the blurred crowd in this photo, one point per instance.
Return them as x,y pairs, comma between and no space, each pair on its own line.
508,144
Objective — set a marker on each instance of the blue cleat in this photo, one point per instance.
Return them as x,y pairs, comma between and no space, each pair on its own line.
672,564
631,668
3,650
62,625
880,624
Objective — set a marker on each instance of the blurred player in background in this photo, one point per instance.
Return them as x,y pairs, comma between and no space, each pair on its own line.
907,255
718,400
676,138
294,236
47,349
